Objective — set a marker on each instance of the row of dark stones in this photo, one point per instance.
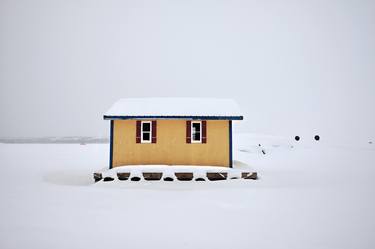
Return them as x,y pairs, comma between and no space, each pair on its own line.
181,176
316,137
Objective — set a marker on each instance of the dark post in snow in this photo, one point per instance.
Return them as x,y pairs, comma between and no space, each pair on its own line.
263,151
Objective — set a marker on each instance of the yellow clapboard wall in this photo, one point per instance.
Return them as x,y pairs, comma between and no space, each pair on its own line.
171,147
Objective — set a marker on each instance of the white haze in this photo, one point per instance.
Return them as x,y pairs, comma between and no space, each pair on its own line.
295,67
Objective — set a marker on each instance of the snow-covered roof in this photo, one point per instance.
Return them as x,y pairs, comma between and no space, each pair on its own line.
174,108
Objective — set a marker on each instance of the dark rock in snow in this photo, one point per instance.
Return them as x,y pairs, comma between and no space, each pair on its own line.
184,176
108,179
98,177
249,175
135,179
200,179
152,176
216,176
297,138
123,176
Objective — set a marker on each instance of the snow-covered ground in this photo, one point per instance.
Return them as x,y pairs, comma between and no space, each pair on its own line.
309,195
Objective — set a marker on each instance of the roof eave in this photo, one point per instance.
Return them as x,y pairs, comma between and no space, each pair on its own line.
120,117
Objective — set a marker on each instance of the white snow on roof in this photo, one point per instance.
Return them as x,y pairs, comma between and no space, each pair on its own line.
174,107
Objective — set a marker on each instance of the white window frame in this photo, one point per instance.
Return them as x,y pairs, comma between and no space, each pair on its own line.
191,132
146,141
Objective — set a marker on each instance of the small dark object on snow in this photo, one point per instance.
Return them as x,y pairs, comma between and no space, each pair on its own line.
217,176
370,142
184,176
98,177
200,179
108,179
168,179
263,151
317,138
297,138
135,179
123,176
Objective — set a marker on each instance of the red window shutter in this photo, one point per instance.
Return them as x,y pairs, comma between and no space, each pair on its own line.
188,132
154,132
204,131
138,134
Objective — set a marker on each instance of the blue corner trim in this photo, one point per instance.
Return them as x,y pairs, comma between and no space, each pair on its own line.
230,145
111,146
110,117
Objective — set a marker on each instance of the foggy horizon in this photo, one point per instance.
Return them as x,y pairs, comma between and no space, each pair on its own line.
294,67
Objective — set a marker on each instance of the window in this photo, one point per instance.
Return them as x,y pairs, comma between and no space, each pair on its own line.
146,131
196,132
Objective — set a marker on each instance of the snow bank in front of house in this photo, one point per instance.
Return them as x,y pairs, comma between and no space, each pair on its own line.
174,107
307,195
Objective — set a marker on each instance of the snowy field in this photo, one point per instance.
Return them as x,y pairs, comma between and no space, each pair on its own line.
309,195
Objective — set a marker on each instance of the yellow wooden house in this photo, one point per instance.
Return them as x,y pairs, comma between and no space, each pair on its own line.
172,131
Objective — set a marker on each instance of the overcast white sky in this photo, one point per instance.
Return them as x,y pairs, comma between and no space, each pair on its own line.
295,67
